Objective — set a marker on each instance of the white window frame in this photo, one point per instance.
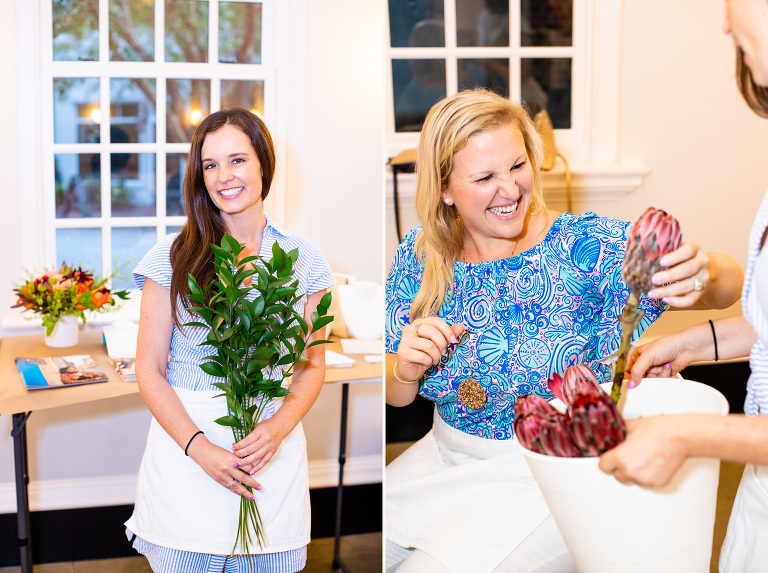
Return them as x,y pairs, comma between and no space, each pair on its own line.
591,145
35,98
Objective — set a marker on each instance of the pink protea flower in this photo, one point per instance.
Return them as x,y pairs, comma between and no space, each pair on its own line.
555,437
575,378
653,235
542,429
594,422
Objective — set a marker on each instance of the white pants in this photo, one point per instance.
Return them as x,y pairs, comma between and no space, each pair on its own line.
745,549
469,505
542,552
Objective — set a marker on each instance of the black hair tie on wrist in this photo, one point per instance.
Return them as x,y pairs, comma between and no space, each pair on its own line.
714,337
190,442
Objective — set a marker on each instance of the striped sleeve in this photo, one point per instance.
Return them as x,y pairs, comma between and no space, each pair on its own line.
156,264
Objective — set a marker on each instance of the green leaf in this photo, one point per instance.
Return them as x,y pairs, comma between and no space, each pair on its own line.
194,288
316,342
228,241
213,369
321,322
223,256
199,324
325,303
230,421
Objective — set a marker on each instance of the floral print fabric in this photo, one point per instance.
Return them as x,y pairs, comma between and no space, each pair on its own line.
536,313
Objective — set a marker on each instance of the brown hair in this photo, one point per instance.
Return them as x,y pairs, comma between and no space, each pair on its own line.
190,251
755,95
448,126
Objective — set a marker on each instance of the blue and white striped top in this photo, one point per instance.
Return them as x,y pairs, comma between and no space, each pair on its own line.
311,270
754,298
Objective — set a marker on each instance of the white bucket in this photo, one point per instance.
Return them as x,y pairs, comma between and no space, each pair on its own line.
361,303
613,528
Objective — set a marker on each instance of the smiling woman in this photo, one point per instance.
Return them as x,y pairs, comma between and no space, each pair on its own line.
189,456
484,302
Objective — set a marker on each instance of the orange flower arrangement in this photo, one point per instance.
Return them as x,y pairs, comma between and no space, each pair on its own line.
66,291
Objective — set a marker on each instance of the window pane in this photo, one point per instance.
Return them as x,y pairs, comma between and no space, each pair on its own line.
186,31
133,184
187,103
78,185
249,95
79,247
131,31
76,112
129,245
132,109
491,73
416,85
175,167
482,22
546,22
239,33
173,229
75,30
416,23
546,84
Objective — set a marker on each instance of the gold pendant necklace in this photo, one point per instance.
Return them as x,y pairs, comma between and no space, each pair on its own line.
471,393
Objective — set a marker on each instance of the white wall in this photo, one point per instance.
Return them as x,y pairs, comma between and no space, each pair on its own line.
682,116
89,454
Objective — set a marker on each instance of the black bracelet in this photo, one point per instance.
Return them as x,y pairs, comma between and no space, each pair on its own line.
190,441
714,337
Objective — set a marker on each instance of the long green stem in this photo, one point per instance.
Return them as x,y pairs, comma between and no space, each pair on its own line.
629,320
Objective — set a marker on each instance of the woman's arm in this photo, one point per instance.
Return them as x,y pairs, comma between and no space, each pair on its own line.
656,446
258,447
422,344
735,337
155,331
719,273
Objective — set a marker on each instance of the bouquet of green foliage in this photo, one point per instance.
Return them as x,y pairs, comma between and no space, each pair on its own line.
257,337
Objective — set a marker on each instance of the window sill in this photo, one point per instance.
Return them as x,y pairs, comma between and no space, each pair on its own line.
589,181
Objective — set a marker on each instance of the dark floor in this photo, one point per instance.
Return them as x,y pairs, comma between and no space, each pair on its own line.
360,553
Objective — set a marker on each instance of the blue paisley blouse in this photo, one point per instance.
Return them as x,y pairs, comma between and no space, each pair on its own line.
528,316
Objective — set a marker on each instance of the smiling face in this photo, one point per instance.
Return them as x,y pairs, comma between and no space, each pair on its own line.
232,172
491,185
747,22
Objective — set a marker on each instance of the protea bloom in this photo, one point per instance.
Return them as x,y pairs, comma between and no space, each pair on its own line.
653,235
542,429
594,422
576,377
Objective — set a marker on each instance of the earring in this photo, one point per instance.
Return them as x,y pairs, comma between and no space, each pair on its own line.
447,201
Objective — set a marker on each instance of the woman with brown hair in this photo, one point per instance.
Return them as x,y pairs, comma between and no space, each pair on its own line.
656,446
486,300
192,475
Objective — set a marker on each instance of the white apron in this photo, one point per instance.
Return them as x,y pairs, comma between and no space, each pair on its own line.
179,506
745,549
465,500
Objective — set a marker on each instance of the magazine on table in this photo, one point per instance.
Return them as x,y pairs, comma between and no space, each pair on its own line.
120,339
59,371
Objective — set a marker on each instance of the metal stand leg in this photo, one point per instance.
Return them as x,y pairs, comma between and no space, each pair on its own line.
19,435
337,562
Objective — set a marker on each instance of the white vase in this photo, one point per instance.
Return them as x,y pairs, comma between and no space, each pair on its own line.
614,528
65,333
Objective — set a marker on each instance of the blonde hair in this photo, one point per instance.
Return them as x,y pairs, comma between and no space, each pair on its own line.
448,126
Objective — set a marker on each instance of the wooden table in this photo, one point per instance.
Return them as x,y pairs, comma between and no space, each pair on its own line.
20,403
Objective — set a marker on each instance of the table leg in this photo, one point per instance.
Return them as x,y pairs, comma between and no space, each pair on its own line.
19,434
337,561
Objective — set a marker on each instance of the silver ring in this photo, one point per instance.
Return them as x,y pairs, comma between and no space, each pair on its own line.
231,483
416,326
697,284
